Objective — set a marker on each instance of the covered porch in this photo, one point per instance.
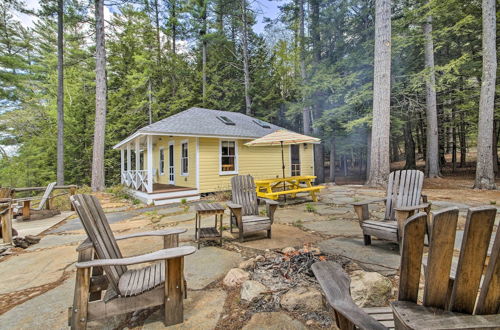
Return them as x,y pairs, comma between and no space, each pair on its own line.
138,174
150,172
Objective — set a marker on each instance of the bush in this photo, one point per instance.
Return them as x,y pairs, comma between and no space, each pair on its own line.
119,191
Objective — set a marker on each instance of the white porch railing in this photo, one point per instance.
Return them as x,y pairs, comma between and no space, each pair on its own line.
138,180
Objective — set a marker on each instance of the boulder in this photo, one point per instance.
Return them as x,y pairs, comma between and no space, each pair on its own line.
247,264
288,250
370,289
32,239
259,258
235,277
302,298
251,290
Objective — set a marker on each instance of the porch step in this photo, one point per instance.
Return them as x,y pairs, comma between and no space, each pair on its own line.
175,199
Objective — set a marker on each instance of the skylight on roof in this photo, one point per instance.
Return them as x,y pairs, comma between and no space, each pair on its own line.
261,123
226,120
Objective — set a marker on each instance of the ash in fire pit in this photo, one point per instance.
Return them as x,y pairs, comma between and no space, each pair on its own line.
291,283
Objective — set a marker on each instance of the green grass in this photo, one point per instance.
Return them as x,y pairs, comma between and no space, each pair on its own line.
310,207
298,224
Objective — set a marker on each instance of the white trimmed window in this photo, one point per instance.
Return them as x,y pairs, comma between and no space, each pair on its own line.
184,158
162,161
228,157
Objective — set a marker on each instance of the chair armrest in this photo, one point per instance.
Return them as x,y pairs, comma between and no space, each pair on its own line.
233,206
412,208
269,201
369,202
149,257
153,233
335,284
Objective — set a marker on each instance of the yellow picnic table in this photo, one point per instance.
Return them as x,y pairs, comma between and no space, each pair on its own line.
273,188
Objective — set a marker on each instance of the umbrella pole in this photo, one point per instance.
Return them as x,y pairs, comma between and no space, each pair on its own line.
283,167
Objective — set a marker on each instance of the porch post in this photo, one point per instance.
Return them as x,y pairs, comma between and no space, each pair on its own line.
149,142
129,157
137,154
122,165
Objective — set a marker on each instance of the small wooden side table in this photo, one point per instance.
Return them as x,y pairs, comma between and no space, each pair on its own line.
208,233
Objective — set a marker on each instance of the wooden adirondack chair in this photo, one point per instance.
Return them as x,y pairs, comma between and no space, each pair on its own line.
245,208
469,301
127,290
404,197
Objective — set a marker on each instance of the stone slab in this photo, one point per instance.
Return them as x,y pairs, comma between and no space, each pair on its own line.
291,215
50,241
35,268
382,256
329,210
282,236
273,321
36,227
202,310
207,265
46,311
178,218
171,210
336,227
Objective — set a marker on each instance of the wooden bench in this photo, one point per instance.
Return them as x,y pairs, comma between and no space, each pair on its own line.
296,191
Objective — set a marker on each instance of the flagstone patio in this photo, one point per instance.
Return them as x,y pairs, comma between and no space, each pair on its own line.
37,283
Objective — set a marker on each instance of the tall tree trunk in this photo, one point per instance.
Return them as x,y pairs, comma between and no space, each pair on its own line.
306,111
157,32
463,141
173,18
494,148
100,101
248,101
432,157
441,137
394,149
60,92
332,159
454,142
410,163
203,33
379,160
485,177
315,35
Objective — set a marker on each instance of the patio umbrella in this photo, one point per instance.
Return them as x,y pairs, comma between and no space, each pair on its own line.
282,137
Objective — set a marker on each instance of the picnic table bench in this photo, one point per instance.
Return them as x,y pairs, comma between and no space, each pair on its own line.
268,188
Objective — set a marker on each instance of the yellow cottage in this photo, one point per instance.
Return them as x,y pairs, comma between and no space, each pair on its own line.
198,151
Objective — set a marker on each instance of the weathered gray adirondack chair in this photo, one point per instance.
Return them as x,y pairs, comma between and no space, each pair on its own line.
46,196
469,300
127,290
245,208
404,197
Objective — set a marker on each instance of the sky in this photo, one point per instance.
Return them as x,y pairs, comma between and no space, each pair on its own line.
263,8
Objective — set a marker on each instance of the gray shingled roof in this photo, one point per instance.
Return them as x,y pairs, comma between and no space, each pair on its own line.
204,122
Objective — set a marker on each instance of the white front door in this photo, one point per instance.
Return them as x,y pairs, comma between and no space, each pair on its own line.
171,162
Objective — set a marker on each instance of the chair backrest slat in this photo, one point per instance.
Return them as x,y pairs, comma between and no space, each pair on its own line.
46,196
411,257
440,258
243,193
489,297
404,189
97,228
477,233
